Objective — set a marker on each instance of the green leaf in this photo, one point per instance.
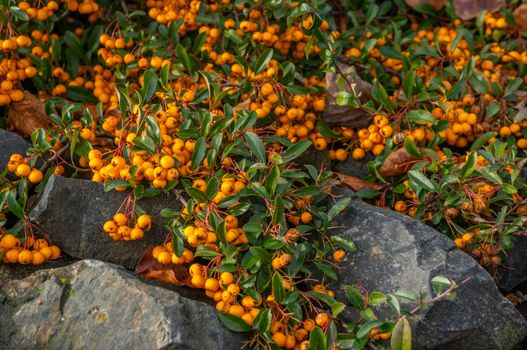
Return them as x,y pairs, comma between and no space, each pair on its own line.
412,149
80,94
421,180
212,188
408,83
113,184
18,13
344,243
153,129
199,152
456,41
373,10
337,308
262,62
492,109
146,143
221,231
184,59
278,287
376,298
354,297
482,140
338,207
317,339
326,131
271,182
327,270
380,95
367,327
234,323
196,194
421,117
295,150
440,284
401,335
278,213
149,85
14,206
470,165
256,146
262,322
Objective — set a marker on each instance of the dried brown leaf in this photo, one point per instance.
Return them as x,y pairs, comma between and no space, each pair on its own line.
468,9
436,4
28,115
336,115
148,267
242,106
520,15
357,184
397,163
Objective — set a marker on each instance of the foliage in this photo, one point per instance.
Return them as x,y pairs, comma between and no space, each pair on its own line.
214,102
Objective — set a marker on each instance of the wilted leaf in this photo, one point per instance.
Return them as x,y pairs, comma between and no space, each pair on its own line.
437,4
28,115
468,9
397,163
242,106
357,184
148,267
346,115
520,15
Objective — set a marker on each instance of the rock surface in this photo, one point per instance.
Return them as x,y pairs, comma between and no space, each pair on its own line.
95,305
396,252
352,167
515,271
319,160
72,212
10,143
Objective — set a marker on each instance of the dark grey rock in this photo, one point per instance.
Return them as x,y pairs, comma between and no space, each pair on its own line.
10,143
95,305
396,252
515,266
352,167
72,213
318,159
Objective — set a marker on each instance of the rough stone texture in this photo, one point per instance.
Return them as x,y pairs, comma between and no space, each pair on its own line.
357,168
515,270
10,143
396,252
72,212
95,305
318,159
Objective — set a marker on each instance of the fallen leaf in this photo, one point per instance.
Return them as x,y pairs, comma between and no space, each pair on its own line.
148,267
337,115
468,9
28,115
397,163
242,106
520,15
357,184
436,4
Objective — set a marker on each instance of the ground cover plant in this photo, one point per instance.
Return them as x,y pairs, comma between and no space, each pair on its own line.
215,101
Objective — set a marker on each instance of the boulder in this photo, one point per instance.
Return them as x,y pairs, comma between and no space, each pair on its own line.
318,159
515,265
10,143
352,167
72,213
396,252
95,305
